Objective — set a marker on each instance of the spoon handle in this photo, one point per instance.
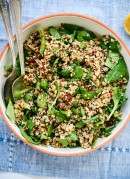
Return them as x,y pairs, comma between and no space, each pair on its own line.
16,9
5,13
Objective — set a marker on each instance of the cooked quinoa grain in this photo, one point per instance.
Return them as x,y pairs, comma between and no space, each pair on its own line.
75,83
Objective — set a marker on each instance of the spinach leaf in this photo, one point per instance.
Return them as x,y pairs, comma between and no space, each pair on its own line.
27,137
50,129
75,104
82,112
65,73
55,62
78,72
55,33
10,110
74,111
30,125
41,32
64,142
83,45
43,136
117,72
86,94
112,59
81,124
117,93
44,84
103,45
42,46
27,97
85,35
113,44
61,116
71,27
41,100
72,136
20,89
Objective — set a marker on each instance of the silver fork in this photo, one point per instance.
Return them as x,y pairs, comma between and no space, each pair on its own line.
13,83
16,9
4,9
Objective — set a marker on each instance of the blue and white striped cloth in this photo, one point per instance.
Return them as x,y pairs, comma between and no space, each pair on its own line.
112,161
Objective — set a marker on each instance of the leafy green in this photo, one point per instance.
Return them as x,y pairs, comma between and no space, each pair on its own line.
75,104
113,44
10,110
71,27
72,136
27,97
62,115
78,72
117,72
85,35
55,33
27,137
112,59
43,136
81,124
18,93
83,45
50,129
117,93
55,62
103,45
42,46
65,73
38,85
86,94
41,32
82,112
41,100
30,125
64,142
44,84
74,111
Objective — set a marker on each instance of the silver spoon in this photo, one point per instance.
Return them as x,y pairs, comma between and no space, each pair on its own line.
16,9
4,10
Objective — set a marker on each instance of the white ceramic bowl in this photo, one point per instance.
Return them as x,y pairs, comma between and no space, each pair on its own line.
55,20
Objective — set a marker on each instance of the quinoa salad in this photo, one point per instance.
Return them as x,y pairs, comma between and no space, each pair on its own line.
73,88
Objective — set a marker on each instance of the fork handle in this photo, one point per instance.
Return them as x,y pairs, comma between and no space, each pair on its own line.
16,9
5,13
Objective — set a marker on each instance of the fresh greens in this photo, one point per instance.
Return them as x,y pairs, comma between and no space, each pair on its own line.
64,142
28,138
41,100
55,33
85,35
81,124
44,84
86,94
78,72
112,59
117,93
65,73
10,110
117,72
